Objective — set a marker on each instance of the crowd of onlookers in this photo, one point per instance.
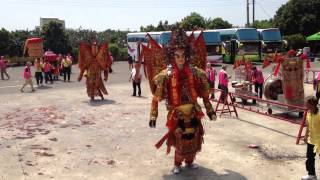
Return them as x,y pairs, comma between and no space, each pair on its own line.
48,71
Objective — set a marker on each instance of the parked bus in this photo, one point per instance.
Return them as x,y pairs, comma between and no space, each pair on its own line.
134,38
240,42
271,40
211,38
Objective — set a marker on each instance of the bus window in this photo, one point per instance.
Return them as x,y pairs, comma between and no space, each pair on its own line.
213,50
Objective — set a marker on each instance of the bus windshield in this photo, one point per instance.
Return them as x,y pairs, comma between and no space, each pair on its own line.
247,34
271,35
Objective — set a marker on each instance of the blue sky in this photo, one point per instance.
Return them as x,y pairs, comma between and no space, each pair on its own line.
126,14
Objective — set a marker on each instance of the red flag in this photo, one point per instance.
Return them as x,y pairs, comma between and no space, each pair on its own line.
276,70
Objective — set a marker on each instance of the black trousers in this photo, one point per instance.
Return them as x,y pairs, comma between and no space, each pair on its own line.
310,160
318,96
39,77
258,88
211,83
48,77
224,92
134,85
66,72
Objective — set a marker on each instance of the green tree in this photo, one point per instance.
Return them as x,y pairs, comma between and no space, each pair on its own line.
295,41
55,38
298,16
115,51
4,41
217,23
193,21
17,40
263,24
148,28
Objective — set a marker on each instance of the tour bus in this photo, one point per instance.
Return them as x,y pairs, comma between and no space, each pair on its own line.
211,38
271,40
239,42
134,38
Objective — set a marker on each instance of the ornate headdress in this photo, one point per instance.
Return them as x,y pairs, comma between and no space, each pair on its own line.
179,40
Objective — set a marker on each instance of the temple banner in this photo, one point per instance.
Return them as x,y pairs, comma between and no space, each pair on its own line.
33,47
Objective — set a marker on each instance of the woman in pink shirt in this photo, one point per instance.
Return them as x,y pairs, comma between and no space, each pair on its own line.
257,80
3,68
27,77
211,75
223,82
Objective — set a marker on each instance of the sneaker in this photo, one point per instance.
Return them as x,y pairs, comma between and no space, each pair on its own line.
176,170
193,166
309,177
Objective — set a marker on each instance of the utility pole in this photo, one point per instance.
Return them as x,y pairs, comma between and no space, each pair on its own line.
248,21
253,10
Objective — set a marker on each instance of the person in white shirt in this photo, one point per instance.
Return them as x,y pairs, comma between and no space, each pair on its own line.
136,79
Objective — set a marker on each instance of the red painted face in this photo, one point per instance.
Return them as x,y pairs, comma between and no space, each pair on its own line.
179,57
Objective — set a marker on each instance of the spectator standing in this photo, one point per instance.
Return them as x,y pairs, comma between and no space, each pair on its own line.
27,77
66,65
48,72
312,136
257,80
38,66
211,75
223,82
130,62
136,79
3,68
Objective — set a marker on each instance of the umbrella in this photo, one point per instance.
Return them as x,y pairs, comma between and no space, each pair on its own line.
314,37
50,56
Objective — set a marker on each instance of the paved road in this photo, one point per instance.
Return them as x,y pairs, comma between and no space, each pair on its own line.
120,74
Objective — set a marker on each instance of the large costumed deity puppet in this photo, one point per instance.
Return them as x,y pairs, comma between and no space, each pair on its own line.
176,74
93,60
288,86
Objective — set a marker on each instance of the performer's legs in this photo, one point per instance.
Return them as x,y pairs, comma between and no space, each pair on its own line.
212,83
100,94
134,85
310,160
6,73
2,73
139,88
224,92
92,92
50,77
260,90
177,159
37,78
46,77
31,84
64,74
41,77
24,85
69,72
189,162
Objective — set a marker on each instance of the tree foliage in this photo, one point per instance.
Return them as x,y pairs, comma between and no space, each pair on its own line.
4,41
193,21
295,41
217,23
262,24
55,38
298,16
